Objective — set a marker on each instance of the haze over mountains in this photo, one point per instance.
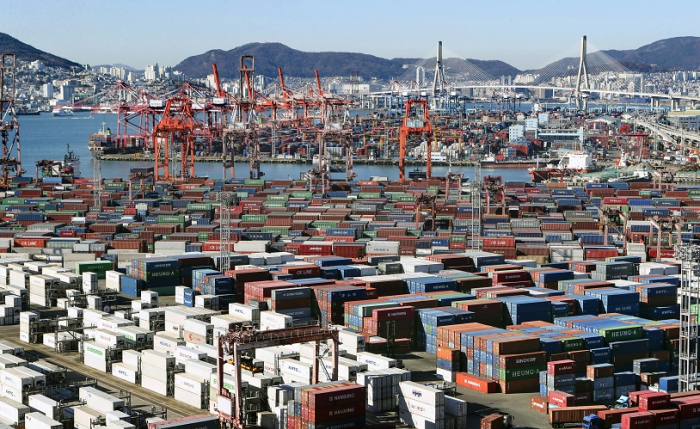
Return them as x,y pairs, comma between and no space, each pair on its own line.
678,53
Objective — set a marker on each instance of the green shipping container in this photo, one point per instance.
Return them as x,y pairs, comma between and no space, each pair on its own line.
362,195
253,218
98,267
621,333
520,373
573,343
256,182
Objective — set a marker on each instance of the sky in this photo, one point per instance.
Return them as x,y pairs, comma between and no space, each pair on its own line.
526,34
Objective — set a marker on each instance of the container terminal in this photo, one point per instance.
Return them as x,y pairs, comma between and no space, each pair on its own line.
151,301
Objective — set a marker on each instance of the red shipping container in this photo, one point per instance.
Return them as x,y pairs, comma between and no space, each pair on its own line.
539,403
476,383
510,276
346,393
560,367
447,353
689,407
666,417
640,420
561,399
499,242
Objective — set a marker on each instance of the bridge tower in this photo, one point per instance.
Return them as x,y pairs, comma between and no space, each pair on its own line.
439,78
582,78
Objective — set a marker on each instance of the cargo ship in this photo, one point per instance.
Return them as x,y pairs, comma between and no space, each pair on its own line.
101,143
572,163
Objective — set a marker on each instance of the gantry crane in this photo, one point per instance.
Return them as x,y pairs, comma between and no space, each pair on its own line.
178,123
9,125
234,343
416,122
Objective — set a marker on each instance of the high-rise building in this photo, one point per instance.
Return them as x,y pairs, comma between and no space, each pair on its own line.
67,92
47,90
152,72
420,75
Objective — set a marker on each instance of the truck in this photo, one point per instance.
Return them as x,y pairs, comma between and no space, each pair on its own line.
569,416
592,421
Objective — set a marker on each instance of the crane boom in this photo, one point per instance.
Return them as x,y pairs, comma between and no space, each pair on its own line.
219,91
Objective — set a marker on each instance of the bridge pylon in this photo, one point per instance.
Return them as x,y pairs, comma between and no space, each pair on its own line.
439,78
582,78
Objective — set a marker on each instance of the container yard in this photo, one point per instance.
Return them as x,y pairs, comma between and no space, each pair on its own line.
422,304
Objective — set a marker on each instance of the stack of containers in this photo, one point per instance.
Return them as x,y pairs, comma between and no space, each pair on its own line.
658,300
421,406
559,377
616,300
297,302
335,404
157,372
603,377
448,363
382,388
331,302
429,320
157,272
526,309
396,321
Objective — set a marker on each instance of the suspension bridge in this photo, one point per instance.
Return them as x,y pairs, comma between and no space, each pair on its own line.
576,78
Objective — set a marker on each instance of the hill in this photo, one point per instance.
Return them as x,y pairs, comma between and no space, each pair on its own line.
678,53
24,52
269,56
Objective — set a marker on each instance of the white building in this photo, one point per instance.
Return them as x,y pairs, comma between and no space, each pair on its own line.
531,124
152,72
47,90
37,65
420,75
516,132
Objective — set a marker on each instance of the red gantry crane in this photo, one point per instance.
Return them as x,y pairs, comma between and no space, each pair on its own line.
177,125
416,122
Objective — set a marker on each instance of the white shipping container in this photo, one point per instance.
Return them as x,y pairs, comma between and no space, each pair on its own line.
131,358
155,372
158,359
375,362
12,378
198,327
95,362
270,320
251,246
113,280
291,366
99,400
199,369
189,398
419,422
422,393
11,393
39,421
244,312
383,247
125,372
154,385
83,415
108,338
28,316
150,297
415,407
183,353
12,411
43,404
165,343
191,383
180,294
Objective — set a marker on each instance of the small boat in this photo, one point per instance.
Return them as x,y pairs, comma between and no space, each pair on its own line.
62,111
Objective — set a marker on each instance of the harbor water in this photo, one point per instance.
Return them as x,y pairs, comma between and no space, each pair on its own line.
46,137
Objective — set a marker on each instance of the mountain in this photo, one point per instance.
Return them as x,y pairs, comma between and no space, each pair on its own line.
678,53
269,56
24,52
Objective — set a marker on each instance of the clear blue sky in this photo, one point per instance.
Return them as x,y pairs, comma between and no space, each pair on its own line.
526,34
